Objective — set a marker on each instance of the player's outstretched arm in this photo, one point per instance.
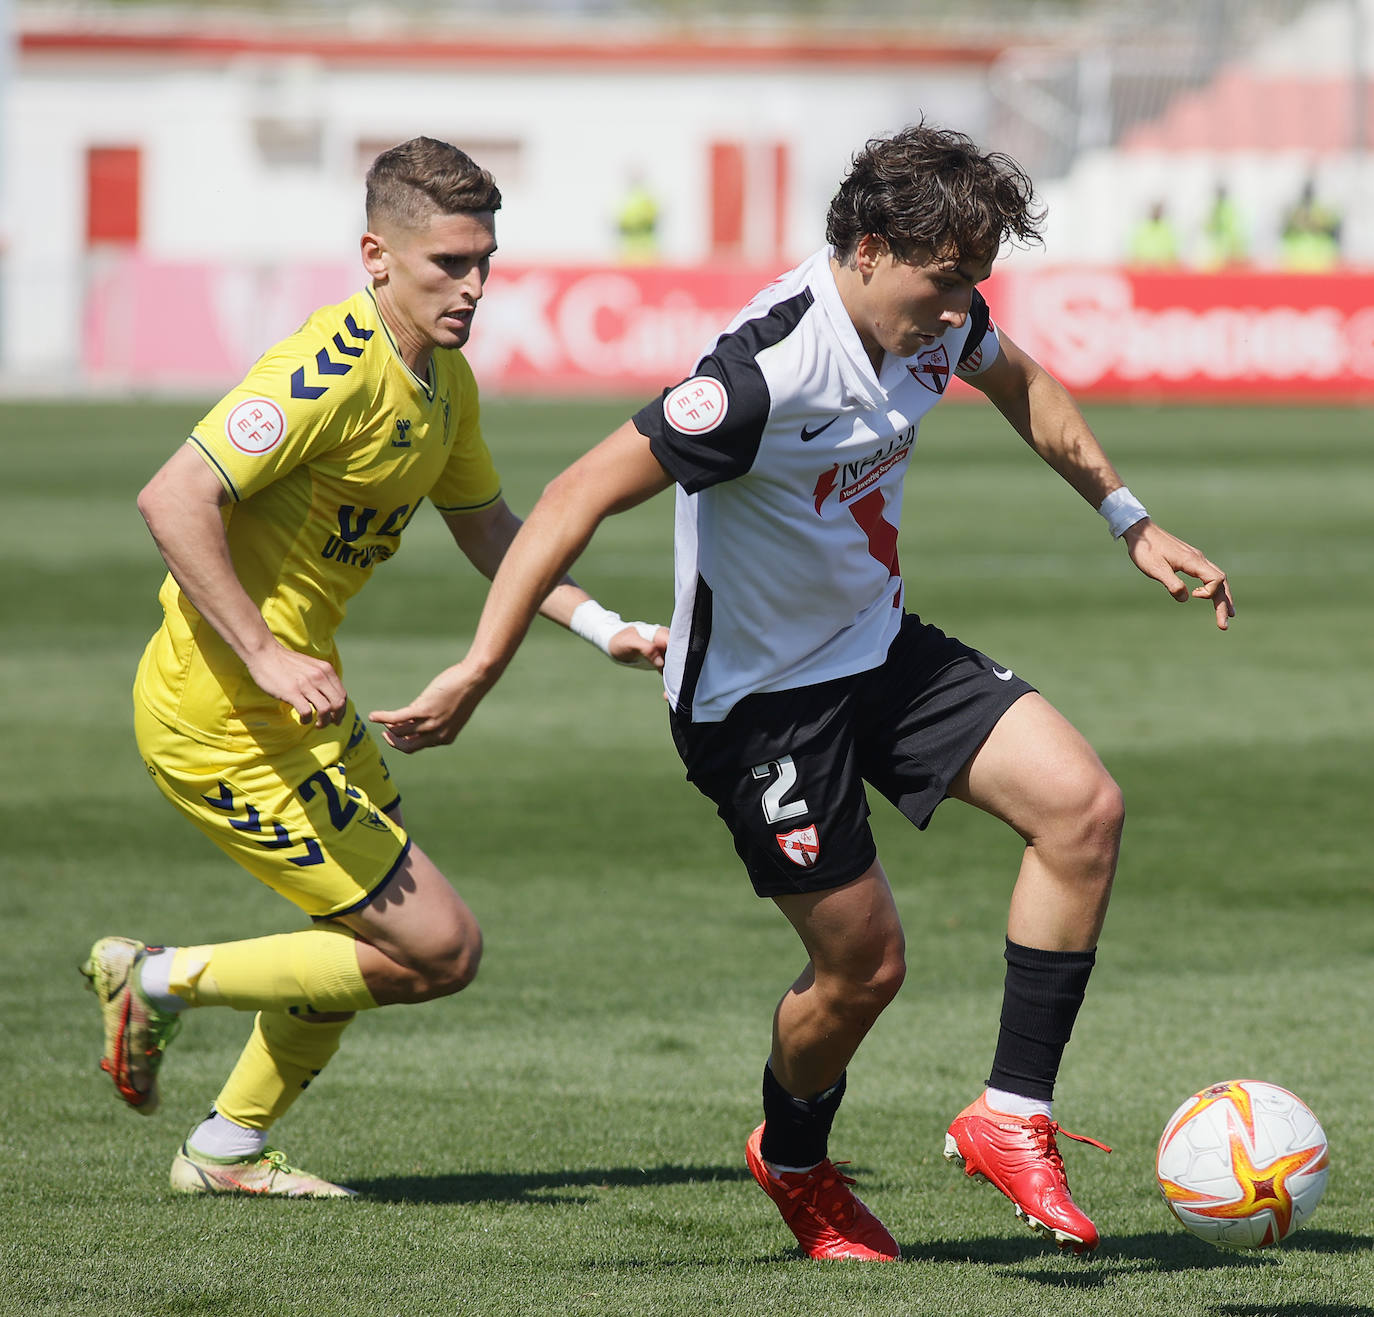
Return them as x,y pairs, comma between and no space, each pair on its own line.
181,505
486,534
1044,414
618,473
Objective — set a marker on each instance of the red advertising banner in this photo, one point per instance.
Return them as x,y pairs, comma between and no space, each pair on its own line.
602,329
1188,336
611,330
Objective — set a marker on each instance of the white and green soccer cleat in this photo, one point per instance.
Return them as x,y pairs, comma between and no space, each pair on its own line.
266,1175
136,1032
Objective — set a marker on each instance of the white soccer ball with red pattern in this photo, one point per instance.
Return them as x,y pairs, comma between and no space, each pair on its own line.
1242,1164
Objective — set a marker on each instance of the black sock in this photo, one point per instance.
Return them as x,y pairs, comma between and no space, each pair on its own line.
796,1131
1040,1002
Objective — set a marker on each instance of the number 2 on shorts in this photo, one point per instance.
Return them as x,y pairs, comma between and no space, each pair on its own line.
773,808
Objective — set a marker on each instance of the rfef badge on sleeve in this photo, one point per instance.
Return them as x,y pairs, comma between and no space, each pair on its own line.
696,406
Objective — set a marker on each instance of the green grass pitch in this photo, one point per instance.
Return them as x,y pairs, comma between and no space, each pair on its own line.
567,1136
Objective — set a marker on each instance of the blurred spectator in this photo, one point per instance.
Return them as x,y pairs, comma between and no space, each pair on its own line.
1311,239
1225,242
1154,241
637,224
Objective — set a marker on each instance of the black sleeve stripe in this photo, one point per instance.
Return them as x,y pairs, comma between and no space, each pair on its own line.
698,641
225,478
698,461
979,316
448,509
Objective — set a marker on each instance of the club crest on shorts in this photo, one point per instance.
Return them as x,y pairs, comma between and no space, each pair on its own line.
802,847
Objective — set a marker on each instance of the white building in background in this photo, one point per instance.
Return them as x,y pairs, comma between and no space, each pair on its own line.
175,196
247,147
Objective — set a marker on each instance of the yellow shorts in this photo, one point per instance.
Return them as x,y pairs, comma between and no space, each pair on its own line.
307,821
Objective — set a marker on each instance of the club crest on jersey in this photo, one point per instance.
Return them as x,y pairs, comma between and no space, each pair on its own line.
255,426
932,369
374,821
696,406
802,847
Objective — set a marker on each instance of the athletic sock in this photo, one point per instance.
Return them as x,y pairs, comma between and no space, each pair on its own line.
314,970
217,1136
796,1131
1013,1104
282,1056
153,979
1040,1002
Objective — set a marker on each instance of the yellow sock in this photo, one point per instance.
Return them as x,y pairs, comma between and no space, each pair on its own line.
284,1054
313,970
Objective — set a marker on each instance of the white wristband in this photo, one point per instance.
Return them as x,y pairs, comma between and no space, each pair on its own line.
1122,510
596,625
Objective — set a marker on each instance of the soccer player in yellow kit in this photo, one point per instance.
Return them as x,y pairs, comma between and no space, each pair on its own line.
271,516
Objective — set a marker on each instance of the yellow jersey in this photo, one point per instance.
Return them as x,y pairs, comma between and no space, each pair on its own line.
326,451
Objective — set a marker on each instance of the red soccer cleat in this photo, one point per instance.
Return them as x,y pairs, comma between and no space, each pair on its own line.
828,1220
1019,1156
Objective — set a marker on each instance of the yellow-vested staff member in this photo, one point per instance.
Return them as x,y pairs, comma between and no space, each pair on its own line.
272,515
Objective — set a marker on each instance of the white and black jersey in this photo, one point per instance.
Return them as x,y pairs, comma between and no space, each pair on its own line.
789,453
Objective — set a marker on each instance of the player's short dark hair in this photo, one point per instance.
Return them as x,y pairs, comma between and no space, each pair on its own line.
930,190
423,177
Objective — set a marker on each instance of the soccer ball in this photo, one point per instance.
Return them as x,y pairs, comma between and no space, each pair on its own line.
1242,1164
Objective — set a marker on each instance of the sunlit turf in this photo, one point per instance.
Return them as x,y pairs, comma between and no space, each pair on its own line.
567,1136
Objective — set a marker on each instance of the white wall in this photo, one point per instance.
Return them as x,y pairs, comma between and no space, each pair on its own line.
207,193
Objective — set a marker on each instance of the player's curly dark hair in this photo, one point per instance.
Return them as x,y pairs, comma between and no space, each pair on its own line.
424,176
928,190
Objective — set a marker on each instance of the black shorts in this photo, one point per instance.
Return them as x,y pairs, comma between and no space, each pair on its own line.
786,769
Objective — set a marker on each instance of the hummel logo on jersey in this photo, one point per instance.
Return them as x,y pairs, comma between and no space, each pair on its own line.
807,434
402,439
326,365
932,369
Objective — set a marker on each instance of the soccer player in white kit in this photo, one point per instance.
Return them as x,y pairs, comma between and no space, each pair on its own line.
795,675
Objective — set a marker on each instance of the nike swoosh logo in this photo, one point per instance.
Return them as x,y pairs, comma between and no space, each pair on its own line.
808,435
1002,674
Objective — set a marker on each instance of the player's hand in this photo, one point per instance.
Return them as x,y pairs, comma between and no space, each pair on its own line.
437,714
1162,557
308,684
640,645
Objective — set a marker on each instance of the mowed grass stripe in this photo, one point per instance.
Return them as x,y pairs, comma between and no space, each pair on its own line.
567,1136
